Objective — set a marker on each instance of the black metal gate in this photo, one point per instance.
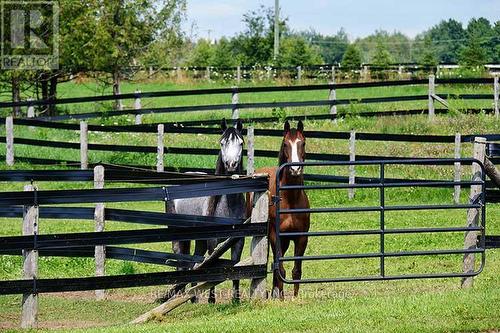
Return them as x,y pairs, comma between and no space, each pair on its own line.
382,183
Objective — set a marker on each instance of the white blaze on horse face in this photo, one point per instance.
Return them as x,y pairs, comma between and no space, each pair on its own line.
232,148
295,154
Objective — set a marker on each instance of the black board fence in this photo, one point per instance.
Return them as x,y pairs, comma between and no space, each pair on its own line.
33,204
165,129
235,105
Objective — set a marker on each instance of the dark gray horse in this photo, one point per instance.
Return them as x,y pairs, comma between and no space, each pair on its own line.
229,162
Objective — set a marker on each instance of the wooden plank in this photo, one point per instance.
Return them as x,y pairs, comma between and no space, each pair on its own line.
182,298
30,265
259,246
100,251
441,100
473,214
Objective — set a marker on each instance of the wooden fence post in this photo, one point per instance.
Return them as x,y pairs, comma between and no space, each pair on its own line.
84,145
9,133
333,73
138,106
364,73
30,113
208,73
470,241
100,251
259,246
235,100
250,150
238,74
333,97
458,167
299,73
432,91
30,265
179,74
31,108
352,158
161,149
496,89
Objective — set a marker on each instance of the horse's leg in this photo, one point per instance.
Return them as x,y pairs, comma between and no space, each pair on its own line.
211,245
236,251
285,243
300,248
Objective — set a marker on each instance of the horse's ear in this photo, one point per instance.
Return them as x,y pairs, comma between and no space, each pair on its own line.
286,129
223,124
300,126
239,126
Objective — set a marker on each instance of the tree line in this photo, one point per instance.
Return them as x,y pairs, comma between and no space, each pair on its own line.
105,38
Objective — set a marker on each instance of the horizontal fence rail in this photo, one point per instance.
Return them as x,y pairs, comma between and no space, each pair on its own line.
223,187
216,91
171,128
132,280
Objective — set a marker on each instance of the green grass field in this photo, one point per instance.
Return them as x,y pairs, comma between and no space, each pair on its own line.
435,305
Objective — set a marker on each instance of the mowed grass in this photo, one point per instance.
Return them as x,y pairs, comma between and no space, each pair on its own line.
398,306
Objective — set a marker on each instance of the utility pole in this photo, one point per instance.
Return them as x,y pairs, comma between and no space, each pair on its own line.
276,29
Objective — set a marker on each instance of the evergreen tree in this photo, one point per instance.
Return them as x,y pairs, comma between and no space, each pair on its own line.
428,56
352,58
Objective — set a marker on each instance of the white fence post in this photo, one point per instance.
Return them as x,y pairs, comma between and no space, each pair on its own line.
299,73
9,133
496,89
333,73
458,167
238,74
250,151
161,149
138,106
333,97
31,111
84,145
208,73
30,264
100,250
235,100
432,91
470,241
259,245
31,108
352,158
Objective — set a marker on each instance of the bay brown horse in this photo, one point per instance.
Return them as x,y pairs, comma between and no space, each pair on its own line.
292,150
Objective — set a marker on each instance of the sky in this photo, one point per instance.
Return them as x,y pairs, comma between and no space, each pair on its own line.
217,18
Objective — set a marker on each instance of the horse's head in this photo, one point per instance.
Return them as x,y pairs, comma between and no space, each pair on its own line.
231,146
293,148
